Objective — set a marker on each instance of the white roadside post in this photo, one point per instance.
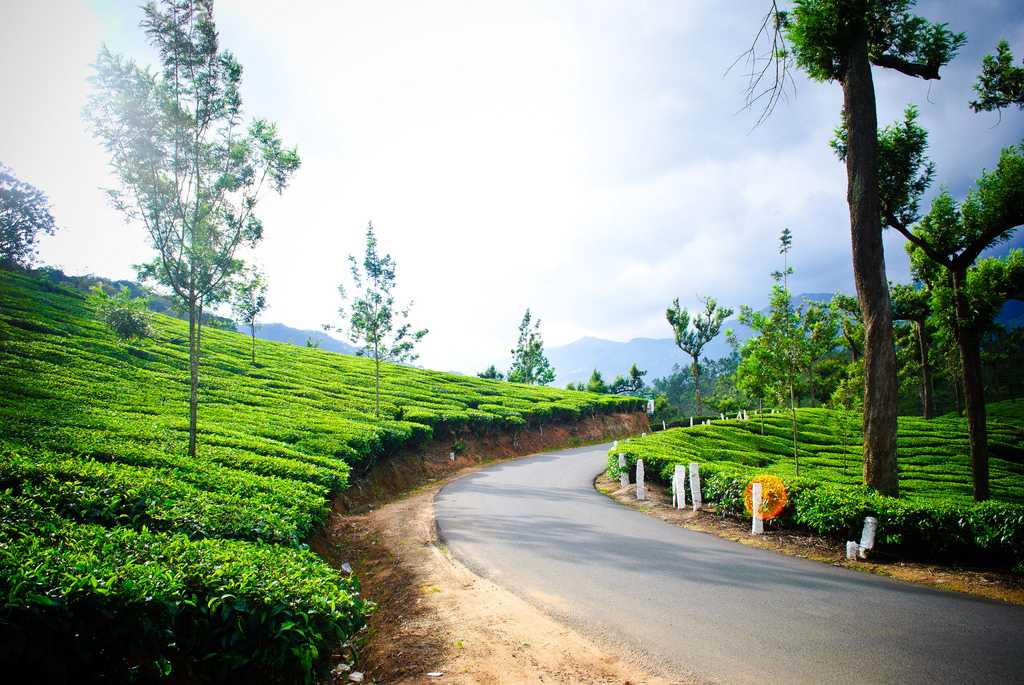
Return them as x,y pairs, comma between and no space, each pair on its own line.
451,456
679,478
691,422
663,426
852,548
722,417
623,472
695,486
757,525
641,491
867,537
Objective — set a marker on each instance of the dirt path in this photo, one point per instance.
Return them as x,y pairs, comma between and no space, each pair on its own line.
436,616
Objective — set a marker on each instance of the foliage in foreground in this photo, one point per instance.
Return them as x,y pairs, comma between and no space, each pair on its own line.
934,515
110,529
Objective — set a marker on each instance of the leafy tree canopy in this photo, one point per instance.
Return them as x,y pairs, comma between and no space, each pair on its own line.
1000,84
24,216
820,30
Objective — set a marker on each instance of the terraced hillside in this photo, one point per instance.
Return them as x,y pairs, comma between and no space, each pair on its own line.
934,516
933,455
126,556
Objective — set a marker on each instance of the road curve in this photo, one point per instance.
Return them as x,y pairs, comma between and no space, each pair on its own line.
695,606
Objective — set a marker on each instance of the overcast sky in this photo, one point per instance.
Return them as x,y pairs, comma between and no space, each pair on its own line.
587,160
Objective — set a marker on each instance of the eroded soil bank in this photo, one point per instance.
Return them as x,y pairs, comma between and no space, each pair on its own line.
409,469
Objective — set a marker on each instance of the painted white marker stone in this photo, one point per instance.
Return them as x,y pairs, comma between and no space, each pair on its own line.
679,477
691,422
852,548
623,472
867,536
641,491
451,456
757,525
695,486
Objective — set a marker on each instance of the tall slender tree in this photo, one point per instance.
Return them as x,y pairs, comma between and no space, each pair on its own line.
375,322
840,41
692,335
190,170
529,363
248,300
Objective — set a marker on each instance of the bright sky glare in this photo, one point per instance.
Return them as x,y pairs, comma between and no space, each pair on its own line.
585,159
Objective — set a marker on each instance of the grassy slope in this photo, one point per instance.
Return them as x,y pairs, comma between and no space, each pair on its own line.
93,441
933,455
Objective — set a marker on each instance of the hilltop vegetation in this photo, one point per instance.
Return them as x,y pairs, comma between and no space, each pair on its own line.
127,555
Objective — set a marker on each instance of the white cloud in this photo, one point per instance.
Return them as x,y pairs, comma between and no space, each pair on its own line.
583,159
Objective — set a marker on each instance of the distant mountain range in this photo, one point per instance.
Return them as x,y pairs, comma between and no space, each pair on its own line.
279,332
577,360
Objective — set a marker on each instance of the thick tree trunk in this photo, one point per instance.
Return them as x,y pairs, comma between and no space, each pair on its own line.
696,387
869,272
974,390
193,365
927,387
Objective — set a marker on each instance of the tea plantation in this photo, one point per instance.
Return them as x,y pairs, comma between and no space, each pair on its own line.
120,555
934,515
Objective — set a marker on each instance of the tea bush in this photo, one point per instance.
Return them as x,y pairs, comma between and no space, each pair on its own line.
131,561
935,514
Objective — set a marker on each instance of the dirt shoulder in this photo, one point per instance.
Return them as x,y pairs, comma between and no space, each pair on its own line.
436,616
989,583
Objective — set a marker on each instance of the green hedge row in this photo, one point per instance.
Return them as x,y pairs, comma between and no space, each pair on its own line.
93,434
125,605
920,528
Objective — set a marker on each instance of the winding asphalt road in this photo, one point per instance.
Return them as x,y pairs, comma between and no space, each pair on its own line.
694,606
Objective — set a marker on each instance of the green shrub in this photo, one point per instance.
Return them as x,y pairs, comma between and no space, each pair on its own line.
932,520
128,317
127,605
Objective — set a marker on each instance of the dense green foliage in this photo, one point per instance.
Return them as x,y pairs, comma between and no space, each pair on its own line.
24,216
1000,84
104,509
934,513
128,317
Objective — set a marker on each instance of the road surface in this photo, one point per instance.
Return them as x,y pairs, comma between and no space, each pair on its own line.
694,606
